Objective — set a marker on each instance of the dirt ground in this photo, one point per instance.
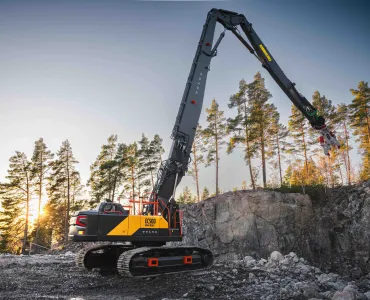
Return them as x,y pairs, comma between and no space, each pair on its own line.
279,278
56,277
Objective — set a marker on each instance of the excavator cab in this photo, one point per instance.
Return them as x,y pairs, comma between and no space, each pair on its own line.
112,209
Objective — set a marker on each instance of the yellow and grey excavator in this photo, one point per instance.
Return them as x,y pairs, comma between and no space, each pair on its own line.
138,247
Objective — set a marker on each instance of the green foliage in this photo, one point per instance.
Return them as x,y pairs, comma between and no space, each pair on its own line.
41,164
277,143
16,196
298,131
214,135
241,127
149,159
186,197
198,158
342,120
105,171
360,122
262,116
64,185
253,125
325,107
205,193
295,174
12,221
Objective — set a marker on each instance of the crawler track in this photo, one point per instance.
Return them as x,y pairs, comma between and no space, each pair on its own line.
130,262
103,257
134,263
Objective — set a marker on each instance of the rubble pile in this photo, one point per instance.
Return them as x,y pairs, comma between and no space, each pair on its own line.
291,277
277,277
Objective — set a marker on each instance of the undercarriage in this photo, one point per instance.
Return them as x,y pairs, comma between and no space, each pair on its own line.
130,261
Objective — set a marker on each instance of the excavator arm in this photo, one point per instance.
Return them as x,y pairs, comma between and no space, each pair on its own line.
174,168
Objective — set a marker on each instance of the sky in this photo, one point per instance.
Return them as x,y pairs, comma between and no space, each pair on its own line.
83,70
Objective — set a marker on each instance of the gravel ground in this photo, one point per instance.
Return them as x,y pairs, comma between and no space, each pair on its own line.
279,277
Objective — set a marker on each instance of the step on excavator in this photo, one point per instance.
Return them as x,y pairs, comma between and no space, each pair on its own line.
137,245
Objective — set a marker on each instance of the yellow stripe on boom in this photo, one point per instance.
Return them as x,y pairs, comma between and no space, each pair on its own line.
265,52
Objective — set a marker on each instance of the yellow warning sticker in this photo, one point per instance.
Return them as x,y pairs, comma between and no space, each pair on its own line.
265,52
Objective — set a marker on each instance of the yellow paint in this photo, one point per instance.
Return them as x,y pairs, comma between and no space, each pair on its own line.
163,223
265,52
133,223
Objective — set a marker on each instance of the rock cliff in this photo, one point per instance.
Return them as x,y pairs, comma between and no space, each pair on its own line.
331,229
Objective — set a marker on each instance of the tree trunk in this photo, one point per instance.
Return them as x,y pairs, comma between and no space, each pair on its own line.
216,139
331,174
151,172
341,175
368,125
248,147
279,159
133,188
68,201
114,187
195,166
348,170
39,204
263,157
305,151
27,213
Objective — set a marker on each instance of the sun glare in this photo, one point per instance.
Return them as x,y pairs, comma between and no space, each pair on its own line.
34,207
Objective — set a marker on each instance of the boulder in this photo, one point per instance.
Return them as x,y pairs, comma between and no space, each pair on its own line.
344,296
276,256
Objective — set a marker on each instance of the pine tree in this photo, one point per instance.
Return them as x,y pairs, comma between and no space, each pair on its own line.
198,158
157,150
20,188
149,158
277,142
334,168
119,169
41,163
241,128
205,193
328,111
214,135
288,175
11,220
360,122
60,188
261,116
186,197
298,129
298,175
106,171
132,163
324,106
342,117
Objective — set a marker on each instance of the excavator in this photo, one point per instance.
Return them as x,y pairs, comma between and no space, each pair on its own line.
134,245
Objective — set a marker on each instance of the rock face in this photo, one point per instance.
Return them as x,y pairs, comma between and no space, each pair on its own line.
331,231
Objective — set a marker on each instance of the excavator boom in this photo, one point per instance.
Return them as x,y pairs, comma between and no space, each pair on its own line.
175,167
